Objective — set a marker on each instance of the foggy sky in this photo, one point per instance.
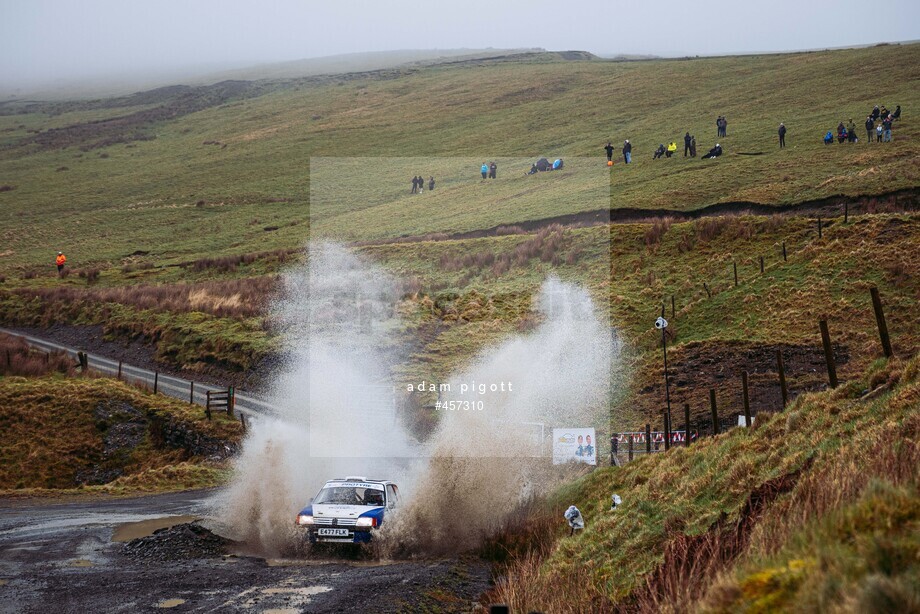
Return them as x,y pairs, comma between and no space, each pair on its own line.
43,41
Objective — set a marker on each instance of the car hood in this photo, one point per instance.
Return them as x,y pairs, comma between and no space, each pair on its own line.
333,510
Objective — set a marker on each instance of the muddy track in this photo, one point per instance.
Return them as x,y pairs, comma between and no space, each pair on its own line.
77,556
830,206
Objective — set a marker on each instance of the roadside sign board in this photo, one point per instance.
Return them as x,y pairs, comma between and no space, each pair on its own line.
574,445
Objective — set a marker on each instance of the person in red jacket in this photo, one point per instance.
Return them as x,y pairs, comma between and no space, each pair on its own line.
60,261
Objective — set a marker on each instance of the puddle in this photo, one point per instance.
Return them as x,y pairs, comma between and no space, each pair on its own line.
81,563
296,597
133,530
170,603
308,562
302,591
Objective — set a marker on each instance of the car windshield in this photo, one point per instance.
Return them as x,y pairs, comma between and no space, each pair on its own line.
349,495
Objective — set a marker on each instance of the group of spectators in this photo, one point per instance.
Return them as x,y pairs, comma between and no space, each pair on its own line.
418,184
878,125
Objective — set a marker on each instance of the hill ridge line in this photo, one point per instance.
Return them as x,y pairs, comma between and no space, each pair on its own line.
906,200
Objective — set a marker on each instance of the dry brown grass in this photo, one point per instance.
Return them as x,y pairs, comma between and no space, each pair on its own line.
228,264
244,297
54,432
18,358
547,245
657,230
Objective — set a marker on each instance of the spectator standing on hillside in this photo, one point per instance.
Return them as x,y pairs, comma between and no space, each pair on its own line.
782,135
886,127
851,130
875,113
870,128
719,126
414,185
421,184
878,133
484,169
493,170
692,146
60,261
609,149
627,152
431,183
686,144
724,126
897,113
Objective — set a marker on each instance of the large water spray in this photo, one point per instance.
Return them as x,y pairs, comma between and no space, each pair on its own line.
337,418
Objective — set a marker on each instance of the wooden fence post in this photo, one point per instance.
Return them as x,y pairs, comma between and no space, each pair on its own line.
648,438
846,212
207,406
191,392
761,265
880,321
784,251
781,368
715,412
119,370
747,401
156,381
687,424
706,288
243,421
819,228
828,354
630,455
735,267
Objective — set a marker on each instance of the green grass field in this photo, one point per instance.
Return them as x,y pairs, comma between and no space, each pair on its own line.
113,201
248,177
177,241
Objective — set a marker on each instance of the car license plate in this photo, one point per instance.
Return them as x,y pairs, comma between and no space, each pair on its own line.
334,532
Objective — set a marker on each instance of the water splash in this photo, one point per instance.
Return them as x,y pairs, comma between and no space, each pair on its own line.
338,320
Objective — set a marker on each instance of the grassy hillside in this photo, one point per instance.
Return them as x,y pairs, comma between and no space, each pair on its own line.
64,433
815,509
464,295
176,234
220,166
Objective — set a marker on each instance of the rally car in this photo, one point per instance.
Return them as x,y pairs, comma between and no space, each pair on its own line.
348,510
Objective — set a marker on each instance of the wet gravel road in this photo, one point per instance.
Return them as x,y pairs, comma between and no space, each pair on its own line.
61,557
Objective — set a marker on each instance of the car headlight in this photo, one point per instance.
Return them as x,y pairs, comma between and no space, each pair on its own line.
367,521
304,519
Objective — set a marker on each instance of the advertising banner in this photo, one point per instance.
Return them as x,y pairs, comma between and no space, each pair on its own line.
578,445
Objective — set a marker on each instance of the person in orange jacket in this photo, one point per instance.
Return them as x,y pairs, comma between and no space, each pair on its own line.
60,261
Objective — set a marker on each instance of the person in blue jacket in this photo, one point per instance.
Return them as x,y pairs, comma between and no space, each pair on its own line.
557,164
828,138
485,170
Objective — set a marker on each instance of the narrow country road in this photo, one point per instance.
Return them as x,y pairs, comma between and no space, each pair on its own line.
176,387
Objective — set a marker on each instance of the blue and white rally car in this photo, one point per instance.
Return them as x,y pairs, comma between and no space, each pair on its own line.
347,510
